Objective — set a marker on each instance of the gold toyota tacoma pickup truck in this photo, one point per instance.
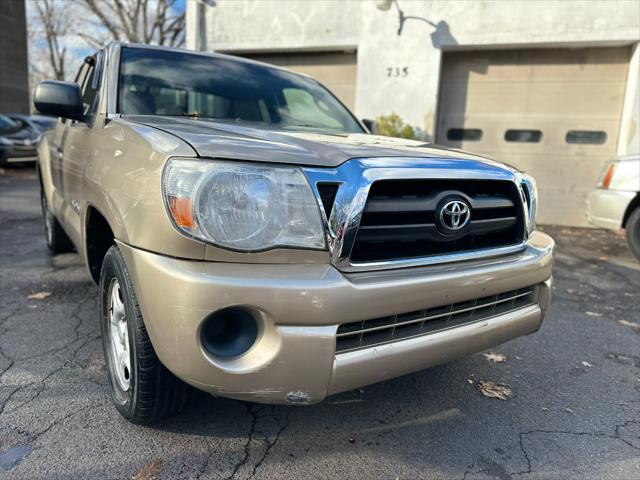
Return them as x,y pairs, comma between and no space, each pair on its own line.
251,239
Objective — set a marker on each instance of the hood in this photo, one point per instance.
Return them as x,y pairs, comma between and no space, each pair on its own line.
242,142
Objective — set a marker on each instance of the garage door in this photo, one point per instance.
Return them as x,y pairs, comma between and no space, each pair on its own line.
554,113
335,70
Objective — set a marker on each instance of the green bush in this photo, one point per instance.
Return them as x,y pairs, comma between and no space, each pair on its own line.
393,126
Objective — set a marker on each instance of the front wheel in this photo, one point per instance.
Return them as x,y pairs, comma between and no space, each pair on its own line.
633,232
142,388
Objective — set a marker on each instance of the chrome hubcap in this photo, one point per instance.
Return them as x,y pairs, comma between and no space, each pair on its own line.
119,337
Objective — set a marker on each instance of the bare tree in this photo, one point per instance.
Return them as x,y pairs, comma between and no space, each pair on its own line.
159,22
51,26
61,32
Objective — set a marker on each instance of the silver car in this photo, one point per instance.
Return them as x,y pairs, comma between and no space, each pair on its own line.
615,203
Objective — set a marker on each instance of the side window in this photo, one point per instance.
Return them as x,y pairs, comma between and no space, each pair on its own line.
81,74
91,87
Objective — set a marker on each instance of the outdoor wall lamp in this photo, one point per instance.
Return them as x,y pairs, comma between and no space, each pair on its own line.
385,6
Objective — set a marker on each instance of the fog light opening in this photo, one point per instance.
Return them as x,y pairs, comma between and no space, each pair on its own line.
229,332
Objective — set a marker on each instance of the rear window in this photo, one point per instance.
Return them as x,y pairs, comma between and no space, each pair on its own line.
592,137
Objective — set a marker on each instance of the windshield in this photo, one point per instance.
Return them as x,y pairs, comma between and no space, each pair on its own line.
157,82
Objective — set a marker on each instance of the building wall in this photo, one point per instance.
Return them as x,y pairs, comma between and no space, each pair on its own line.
273,25
14,79
629,141
470,25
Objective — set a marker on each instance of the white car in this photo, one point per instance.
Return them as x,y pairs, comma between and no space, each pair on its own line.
615,203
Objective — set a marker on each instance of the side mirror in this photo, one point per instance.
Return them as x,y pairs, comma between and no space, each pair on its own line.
60,99
371,125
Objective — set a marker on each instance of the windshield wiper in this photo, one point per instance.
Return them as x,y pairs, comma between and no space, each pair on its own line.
183,114
305,125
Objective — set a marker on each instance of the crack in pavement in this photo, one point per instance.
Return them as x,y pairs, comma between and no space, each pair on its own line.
42,383
492,467
254,410
272,444
254,420
32,437
521,436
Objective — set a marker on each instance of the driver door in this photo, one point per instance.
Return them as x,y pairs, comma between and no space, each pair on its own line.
78,146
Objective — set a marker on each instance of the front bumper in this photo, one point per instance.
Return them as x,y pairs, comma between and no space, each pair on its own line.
18,153
606,208
301,307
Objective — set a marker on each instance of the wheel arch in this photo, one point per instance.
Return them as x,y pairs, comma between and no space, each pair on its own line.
635,203
99,236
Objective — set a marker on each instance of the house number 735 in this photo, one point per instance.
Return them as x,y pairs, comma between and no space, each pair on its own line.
397,71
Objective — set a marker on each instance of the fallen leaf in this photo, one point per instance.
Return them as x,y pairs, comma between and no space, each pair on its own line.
148,471
604,258
618,357
545,409
494,357
38,296
568,410
571,290
586,364
518,358
469,381
593,314
627,323
494,390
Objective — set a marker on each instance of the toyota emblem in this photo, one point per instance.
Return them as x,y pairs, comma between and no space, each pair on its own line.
454,215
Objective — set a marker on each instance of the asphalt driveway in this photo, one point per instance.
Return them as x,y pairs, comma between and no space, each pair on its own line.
573,410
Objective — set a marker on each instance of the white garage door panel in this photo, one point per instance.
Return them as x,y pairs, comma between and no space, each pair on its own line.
551,90
335,70
586,98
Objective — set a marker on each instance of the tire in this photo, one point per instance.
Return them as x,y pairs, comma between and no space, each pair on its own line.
57,239
142,388
633,233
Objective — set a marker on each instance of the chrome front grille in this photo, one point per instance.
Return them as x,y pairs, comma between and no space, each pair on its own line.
377,331
380,213
400,219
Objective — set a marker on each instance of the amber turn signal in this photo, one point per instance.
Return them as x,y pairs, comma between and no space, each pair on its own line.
181,211
608,175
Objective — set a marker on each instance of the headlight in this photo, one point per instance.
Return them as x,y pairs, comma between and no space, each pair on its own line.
242,206
530,194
